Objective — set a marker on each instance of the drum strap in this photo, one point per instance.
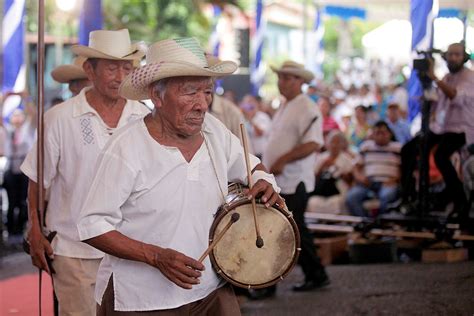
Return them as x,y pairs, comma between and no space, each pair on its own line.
213,166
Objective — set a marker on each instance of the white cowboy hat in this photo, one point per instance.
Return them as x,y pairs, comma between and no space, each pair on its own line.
295,69
68,73
172,58
115,45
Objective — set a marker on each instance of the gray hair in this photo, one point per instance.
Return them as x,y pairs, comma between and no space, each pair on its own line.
160,87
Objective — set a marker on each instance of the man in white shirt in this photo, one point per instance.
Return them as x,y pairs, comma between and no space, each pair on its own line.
75,133
157,186
295,136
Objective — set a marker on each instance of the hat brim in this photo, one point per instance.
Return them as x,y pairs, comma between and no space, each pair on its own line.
88,52
68,73
302,73
135,86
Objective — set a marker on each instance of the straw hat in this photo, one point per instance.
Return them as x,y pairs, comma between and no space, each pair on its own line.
172,58
68,73
115,45
295,69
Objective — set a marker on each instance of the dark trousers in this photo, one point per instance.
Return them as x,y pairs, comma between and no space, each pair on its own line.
447,143
308,259
17,191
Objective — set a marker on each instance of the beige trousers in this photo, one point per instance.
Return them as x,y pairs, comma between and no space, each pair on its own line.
74,284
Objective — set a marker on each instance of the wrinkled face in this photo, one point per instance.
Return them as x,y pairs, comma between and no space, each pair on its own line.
381,135
185,103
455,57
289,84
107,75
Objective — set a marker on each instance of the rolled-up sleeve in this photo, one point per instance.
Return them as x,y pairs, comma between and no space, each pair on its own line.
110,189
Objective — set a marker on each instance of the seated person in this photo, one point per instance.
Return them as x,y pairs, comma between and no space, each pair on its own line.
377,171
333,171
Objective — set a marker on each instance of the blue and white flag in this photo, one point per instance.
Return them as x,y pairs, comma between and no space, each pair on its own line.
316,46
257,68
422,15
90,19
13,39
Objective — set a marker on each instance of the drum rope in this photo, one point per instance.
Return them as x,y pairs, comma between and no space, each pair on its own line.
213,166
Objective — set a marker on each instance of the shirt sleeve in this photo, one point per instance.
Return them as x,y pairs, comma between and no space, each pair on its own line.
111,187
51,153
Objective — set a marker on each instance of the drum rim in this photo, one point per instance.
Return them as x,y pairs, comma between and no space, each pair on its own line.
222,212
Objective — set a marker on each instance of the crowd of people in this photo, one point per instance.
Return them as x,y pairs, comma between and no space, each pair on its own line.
132,191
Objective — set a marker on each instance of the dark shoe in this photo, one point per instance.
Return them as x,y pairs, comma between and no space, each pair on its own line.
310,285
261,294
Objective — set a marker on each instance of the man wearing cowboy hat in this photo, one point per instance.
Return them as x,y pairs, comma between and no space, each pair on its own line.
73,75
169,173
295,136
75,133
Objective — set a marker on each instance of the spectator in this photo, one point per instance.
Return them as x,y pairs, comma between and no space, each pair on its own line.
399,127
329,123
377,172
20,138
333,170
258,123
73,75
359,129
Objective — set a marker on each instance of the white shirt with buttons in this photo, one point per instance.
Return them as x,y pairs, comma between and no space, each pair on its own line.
74,135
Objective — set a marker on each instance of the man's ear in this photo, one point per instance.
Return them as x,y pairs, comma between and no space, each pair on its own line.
155,96
88,69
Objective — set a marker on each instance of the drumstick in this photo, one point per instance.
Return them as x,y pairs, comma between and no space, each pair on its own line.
259,241
234,218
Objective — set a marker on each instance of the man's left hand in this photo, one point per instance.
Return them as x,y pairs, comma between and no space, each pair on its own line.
269,196
277,167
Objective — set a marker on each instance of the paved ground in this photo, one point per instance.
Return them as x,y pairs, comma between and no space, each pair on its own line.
383,289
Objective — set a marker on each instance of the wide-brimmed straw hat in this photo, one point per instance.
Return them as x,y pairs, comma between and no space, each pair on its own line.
172,58
115,45
68,73
295,69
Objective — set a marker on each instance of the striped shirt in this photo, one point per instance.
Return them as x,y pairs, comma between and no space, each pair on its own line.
381,163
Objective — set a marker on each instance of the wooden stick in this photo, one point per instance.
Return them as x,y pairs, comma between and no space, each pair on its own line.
259,241
234,218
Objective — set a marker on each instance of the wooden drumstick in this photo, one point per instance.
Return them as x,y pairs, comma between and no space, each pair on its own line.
234,218
259,241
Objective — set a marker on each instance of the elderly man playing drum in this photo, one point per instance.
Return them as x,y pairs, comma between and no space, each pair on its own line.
157,186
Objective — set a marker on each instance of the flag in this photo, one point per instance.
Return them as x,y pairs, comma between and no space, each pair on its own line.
422,15
90,19
257,69
316,46
13,39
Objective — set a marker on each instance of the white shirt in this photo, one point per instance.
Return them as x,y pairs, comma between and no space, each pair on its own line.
263,122
150,193
74,135
288,126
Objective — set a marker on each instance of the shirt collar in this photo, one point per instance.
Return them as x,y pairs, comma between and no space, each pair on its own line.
82,107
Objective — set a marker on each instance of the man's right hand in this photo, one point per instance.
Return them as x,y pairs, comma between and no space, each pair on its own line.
177,267
40,247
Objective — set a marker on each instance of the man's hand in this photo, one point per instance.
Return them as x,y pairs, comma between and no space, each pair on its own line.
277,167
39,249
269,197
177,267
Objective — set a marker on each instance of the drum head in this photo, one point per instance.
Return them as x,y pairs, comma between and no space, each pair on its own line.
237,258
